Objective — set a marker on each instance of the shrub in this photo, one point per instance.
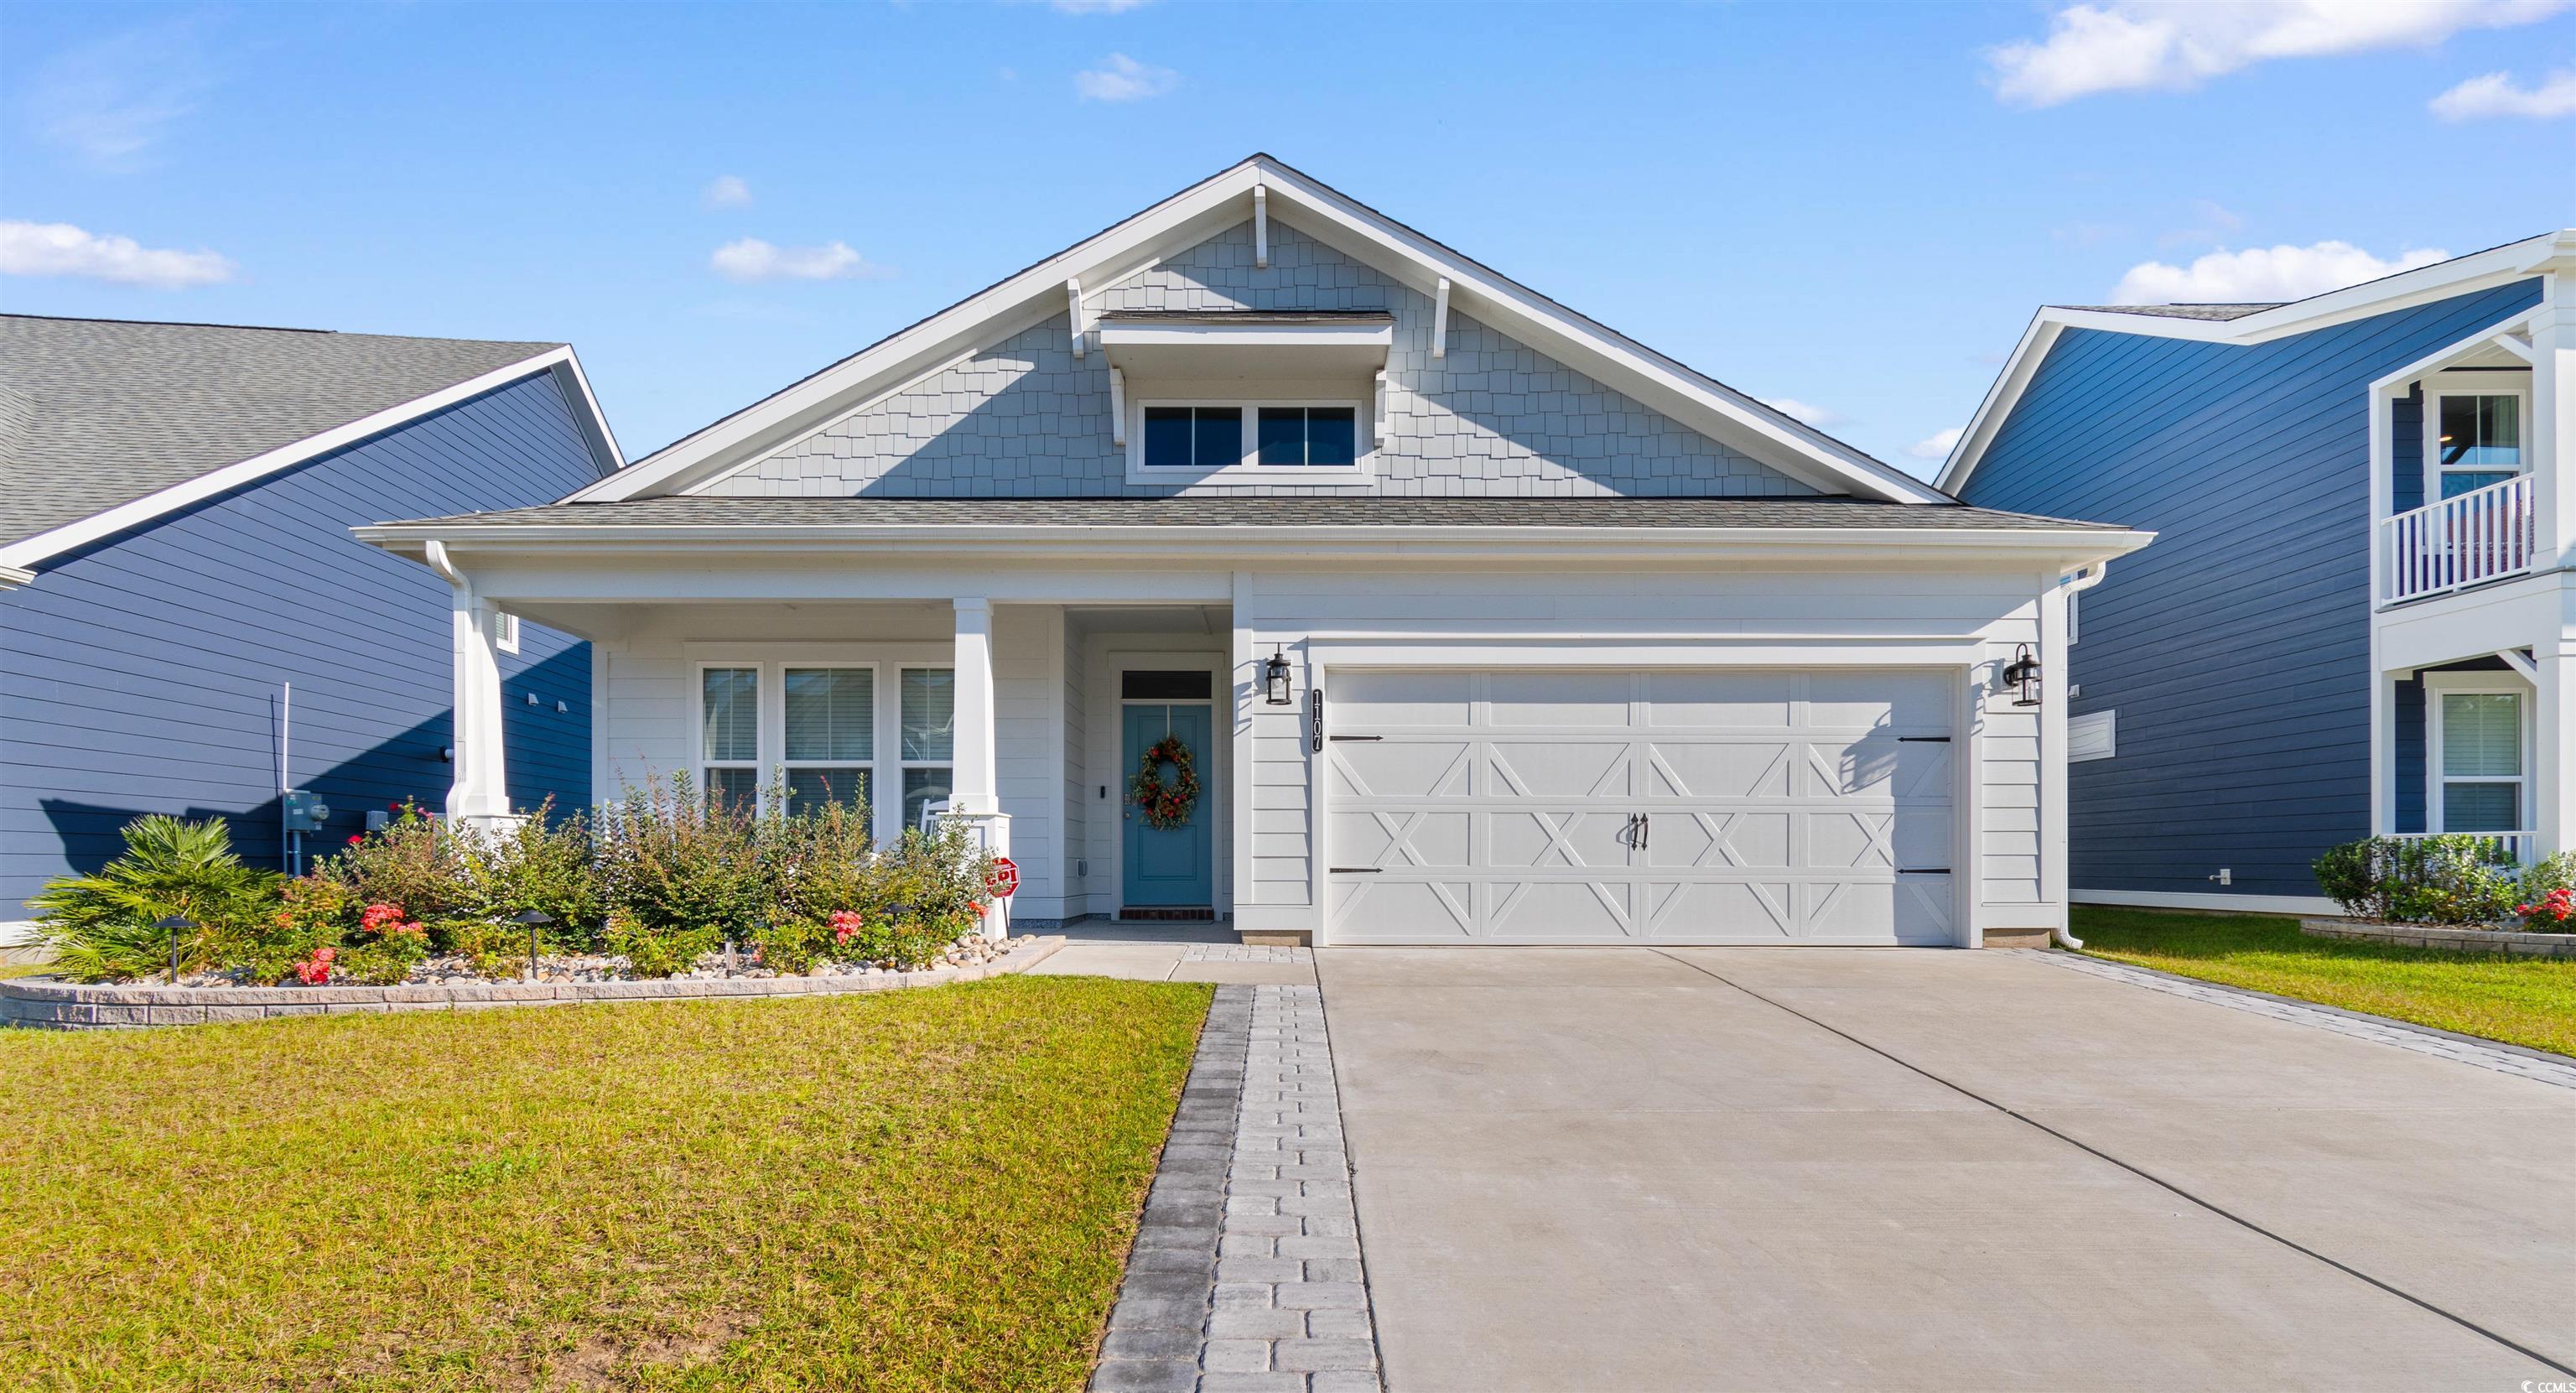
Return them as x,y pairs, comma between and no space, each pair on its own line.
680,867
658,952
545,863
100,926
411,861
2460,878
2549,895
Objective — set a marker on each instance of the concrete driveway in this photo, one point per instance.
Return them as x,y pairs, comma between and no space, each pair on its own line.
1815,1168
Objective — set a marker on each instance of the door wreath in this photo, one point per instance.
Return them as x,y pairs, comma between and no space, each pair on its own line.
1166,806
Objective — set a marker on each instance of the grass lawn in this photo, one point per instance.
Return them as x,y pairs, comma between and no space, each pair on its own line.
2521,1001
923,1189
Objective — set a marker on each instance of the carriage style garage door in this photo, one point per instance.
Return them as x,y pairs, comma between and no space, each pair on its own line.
1735,806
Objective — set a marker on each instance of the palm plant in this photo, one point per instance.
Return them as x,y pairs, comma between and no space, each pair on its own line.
100,926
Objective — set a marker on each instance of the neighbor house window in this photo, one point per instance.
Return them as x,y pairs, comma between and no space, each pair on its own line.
505,631
2480,778
929,738
1250,435
2478,439
1193,437
729,734
830,735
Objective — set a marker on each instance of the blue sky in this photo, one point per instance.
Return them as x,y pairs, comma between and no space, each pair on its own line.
1853,208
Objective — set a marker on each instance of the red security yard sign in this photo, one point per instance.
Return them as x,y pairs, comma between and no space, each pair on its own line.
1006,878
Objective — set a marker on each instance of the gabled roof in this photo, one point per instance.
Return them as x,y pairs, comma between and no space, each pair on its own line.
107,423
1203,210
2250,323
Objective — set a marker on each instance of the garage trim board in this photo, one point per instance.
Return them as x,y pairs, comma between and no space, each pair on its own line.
1649,806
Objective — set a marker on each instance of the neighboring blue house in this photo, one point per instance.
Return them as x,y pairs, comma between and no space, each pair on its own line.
175,506
2359,615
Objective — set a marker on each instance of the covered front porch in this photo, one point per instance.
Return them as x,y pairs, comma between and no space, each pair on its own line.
2474,719
1025,719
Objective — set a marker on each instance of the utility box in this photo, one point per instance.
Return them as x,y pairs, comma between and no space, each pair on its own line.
305,812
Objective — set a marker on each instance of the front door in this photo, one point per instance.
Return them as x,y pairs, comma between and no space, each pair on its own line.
1167,867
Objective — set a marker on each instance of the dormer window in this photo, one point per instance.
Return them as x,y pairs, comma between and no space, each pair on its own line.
1246,396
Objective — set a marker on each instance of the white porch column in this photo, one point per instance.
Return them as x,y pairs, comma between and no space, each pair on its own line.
974,794
2554,743
2553,421
481,790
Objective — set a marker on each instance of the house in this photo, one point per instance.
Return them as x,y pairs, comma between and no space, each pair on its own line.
186,625
1436,611
2360,617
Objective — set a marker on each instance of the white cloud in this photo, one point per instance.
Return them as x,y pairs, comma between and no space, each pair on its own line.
60,249
1802,412
726,191
2496,94
2175,45
1937,444
1120,78
2263,274
751,259
109,102
1095,7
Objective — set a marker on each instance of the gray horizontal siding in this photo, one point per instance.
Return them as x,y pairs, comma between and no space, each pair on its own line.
142,673
2237,648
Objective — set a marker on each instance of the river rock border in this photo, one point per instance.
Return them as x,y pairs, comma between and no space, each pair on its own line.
48,1005
2448,940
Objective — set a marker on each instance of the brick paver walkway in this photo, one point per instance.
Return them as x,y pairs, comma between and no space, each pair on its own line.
1247,1276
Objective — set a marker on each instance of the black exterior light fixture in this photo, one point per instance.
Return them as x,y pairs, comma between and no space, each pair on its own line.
174,925
535,919
1274,680
2022,673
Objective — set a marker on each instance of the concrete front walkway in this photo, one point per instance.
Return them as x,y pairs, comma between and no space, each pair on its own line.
1760,1169
1174,953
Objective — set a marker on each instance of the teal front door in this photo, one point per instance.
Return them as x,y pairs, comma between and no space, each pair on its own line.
1167,867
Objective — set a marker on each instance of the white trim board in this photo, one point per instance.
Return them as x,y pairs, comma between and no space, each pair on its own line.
1204,210
2514,261
2312,905
559,361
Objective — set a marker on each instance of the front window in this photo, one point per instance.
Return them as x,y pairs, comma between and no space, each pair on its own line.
2478,440
2481,762
1193,437
729,715
929,738
1309,435
831,736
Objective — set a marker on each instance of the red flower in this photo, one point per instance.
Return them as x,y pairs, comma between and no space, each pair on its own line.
355,838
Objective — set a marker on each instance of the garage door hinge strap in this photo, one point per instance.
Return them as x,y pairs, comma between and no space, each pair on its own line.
1355,737
1927,870
1923,740
1358,870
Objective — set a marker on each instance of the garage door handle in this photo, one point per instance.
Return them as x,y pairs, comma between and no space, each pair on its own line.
1357,870
1645,830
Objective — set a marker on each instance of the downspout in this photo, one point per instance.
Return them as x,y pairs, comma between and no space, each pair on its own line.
2075,585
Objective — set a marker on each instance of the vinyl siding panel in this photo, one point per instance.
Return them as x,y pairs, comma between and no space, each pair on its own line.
142,674
2237,648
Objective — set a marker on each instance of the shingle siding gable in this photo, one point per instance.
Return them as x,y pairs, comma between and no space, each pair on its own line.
2237,648
141,674
1026,418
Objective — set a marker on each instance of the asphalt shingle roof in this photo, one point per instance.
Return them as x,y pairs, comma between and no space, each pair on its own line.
99,412
1320,510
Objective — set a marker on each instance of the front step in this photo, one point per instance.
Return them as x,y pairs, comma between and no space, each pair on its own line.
1277,938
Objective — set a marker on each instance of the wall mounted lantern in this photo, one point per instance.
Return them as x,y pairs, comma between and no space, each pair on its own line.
2022,673
1274,680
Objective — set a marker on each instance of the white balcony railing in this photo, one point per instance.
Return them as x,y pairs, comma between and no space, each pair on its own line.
2482,535
2501,848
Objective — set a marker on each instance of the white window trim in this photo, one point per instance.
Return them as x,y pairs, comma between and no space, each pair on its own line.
1248,471
2462,384
762,732
901,763
505,631
2438,685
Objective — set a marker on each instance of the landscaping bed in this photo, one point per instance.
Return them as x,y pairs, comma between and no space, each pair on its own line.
2518,1000
892,1191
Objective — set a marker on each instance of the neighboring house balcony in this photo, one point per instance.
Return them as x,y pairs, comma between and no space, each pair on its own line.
2473,563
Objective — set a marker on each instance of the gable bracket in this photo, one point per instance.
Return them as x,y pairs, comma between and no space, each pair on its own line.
1440,320
1073,307
1260,228
1117,407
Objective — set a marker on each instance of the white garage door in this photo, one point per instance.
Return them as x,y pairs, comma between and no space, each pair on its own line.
1734,806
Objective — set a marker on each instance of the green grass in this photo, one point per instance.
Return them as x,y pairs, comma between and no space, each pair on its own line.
923,1189
2518,1000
